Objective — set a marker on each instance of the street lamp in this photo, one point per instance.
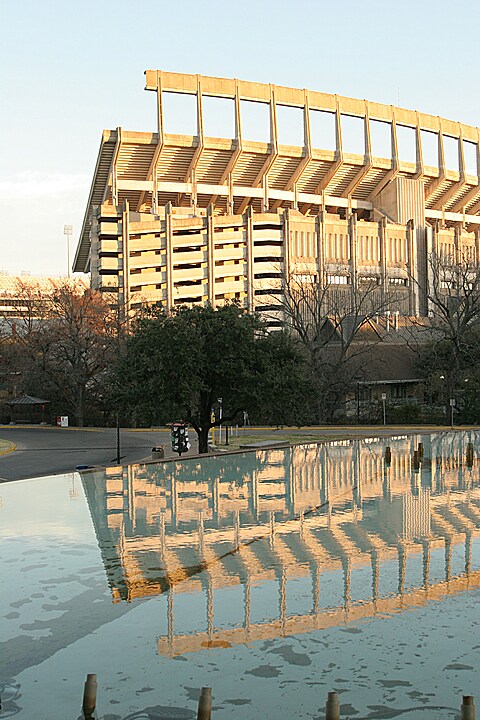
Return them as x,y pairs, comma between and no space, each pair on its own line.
220,415
67,231
384,399
452,406
444,398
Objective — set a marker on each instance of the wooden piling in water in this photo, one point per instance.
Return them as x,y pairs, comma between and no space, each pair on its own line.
467,708
205,704
332,709
388,455
470,455
89,696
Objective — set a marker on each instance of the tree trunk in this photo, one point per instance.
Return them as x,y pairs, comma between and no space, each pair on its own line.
79,410
202,434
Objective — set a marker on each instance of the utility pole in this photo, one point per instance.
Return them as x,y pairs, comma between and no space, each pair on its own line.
67,231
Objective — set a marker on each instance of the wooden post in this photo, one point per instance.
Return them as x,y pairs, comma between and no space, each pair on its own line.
470,455
332,710
467,708
89,696
416,461
205,704
388,456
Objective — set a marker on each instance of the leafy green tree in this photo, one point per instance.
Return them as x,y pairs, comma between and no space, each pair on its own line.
175,367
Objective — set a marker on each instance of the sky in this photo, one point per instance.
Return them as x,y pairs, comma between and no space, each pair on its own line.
71,68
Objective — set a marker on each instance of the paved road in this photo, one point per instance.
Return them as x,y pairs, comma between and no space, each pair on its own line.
50,450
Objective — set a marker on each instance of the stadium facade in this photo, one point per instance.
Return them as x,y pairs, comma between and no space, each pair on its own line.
193,219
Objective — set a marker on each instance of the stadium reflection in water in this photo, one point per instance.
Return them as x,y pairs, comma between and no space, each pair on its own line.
341,509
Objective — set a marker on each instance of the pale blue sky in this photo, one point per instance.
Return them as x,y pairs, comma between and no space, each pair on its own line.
70,68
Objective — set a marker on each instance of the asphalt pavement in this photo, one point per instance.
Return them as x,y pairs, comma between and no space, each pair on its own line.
50,450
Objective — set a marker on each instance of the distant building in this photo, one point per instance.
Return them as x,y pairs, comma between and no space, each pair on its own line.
16,289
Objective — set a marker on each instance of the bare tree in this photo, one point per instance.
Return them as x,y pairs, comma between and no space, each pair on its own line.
453,328
335,326
61,341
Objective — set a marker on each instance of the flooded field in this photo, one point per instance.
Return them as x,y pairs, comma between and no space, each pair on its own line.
272,576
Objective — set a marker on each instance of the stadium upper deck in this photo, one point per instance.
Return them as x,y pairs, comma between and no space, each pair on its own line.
339,213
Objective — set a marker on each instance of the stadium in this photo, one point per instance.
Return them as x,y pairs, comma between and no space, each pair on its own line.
175,218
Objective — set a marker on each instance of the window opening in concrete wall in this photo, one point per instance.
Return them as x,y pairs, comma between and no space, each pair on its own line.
450,148
255,119
381,138
338,280
470,155
429,142
353,134
322,128
179,113
407,150
290,125
218,117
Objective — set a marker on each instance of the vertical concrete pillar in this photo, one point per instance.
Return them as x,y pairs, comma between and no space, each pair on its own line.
211,256
320,230
382,232
287,245
169,255
250,260
413,277
352,234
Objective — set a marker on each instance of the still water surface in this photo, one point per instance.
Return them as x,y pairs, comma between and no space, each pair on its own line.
272,576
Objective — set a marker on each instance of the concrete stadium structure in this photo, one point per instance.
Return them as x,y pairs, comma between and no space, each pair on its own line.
190,219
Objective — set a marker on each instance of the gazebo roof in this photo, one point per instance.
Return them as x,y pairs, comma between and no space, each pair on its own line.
26,400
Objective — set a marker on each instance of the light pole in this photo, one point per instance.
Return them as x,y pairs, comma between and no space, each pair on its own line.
220,415
452,406
444,397
67,231
384,398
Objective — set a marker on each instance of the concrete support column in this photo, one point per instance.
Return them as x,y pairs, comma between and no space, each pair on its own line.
412,268
211,256
126,257
250,261
382,233
169,256
287,245
352,235
320,229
